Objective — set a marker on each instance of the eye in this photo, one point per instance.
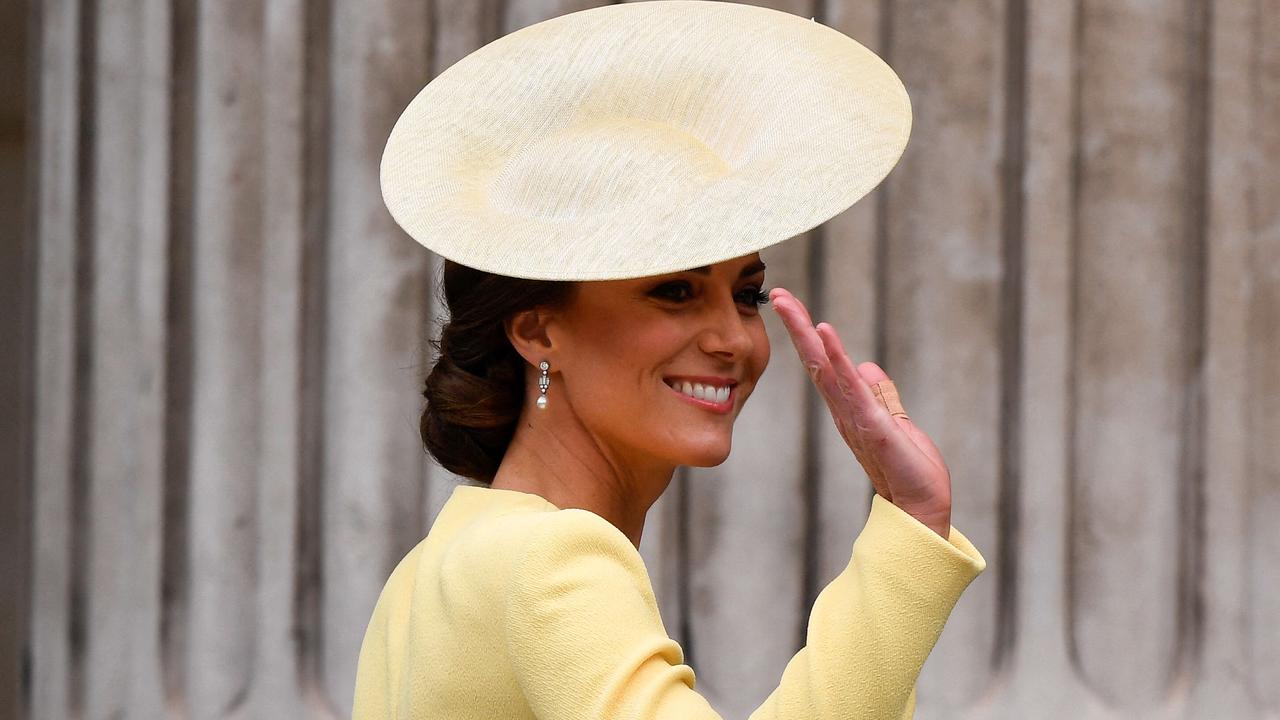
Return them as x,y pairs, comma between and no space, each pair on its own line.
677,291
753,296
680,291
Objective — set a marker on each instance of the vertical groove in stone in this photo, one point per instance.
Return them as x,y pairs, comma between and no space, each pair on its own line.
175,577
58,200
1010,332
1073,524
1191,487
84,395
21,258
315,270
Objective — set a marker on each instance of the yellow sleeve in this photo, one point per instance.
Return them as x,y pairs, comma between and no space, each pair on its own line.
874,625
586,641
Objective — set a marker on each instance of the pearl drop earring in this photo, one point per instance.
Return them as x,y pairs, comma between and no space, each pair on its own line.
543,382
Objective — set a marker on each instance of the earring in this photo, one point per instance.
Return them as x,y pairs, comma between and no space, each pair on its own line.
543,381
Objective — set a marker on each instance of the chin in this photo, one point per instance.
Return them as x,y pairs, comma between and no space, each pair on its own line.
709,455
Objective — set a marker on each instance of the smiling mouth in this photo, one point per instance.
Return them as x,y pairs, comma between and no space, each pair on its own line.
717,398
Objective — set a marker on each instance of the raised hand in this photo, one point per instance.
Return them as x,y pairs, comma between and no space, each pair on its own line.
904,465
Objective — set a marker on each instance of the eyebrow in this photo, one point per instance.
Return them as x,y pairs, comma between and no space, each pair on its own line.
751,269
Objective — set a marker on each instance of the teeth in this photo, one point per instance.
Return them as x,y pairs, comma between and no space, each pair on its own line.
710,393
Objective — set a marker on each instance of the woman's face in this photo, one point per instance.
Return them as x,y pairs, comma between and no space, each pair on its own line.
661,366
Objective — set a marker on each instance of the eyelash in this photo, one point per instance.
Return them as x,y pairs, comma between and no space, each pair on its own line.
758,295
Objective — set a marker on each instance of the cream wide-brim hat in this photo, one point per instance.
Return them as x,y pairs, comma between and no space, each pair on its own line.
642,138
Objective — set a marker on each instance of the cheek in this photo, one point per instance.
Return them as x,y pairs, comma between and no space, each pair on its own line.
641,344
626,356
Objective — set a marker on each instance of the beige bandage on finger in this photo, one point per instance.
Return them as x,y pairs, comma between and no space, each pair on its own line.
887,394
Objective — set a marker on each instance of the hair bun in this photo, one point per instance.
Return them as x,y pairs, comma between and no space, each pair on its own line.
469,419
475,389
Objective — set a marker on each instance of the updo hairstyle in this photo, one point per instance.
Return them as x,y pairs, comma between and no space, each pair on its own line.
475,389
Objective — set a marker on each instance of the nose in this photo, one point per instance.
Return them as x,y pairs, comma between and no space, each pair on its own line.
725,333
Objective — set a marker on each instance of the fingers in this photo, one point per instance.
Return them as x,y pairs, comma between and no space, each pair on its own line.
889,448
799,307
898,441
873,373
849,419
846,388
808,345
923,442
867,410
847,394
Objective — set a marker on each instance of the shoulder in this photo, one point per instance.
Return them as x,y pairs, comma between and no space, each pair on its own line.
562,562
539,531
574,534
530,551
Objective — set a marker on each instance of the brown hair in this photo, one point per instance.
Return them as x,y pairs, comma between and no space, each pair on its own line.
475,388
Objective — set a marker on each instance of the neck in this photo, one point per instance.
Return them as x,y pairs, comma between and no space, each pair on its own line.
552,454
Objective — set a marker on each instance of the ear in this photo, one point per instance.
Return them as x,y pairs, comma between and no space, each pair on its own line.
527,331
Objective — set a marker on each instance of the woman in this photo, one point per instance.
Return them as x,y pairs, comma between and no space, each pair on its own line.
597,341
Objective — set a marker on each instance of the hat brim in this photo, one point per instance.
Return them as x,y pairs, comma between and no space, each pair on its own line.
642,138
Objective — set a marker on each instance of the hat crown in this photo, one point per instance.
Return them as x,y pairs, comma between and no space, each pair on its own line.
604,166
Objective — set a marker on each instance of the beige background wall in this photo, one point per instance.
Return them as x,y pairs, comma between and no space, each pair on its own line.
1073,276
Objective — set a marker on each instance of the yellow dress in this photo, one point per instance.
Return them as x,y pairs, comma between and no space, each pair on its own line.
514,608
